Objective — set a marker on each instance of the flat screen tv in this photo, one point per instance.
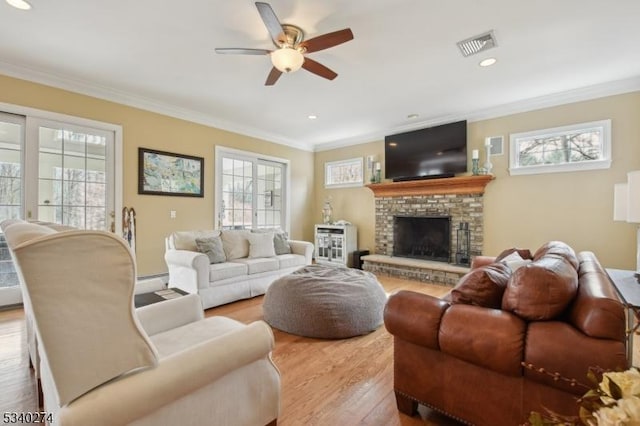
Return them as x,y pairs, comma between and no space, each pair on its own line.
439,151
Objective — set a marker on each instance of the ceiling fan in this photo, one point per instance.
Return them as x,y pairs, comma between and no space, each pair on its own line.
291,47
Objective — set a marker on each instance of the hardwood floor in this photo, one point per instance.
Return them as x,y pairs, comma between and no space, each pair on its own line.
338,382
324,382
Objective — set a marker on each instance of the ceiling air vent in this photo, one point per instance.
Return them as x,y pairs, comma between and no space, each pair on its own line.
477,44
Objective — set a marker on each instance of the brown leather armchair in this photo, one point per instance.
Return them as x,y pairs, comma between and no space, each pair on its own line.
493,366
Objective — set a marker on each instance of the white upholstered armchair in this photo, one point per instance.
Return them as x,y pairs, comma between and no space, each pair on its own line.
142,286
104,363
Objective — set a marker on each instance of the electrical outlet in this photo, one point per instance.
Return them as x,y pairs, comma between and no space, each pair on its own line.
172,214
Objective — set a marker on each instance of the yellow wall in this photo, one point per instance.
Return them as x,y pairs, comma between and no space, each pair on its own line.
528,210
150,130
355,205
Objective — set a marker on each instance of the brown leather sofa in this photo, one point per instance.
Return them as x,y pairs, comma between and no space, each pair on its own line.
558,316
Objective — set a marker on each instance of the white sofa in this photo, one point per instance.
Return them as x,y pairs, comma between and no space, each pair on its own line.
104,363
247,271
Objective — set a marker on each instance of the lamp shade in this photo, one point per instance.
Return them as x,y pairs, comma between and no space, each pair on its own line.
620,191
633,197
287,59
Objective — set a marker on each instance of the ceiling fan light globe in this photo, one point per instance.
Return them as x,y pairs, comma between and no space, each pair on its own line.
20,4
287,59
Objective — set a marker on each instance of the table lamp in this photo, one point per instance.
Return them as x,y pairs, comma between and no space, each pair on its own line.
626,207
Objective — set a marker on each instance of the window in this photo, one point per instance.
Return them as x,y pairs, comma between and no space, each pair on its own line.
585,146
344,173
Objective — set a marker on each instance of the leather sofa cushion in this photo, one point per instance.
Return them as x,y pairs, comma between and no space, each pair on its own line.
597,311
483,286
541,290
557,347
557,248
488,338
415,317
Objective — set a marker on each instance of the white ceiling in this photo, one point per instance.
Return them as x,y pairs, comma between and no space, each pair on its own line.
159,55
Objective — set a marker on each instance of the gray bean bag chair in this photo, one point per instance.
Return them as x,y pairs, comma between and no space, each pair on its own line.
325,302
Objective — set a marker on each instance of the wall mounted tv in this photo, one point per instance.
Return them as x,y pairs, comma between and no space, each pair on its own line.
434,152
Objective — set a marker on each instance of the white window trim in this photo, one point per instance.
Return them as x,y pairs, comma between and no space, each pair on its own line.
329,164
220,151
605,163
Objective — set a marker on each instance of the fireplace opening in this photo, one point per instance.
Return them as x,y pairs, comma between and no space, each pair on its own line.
422,237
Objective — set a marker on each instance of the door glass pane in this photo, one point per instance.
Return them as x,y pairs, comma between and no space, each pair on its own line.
96,195
96,217
237,195
49,192
72,177
11,136
50,214
73,216
269,195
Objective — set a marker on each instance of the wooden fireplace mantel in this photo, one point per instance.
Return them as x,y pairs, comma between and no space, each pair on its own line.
454,185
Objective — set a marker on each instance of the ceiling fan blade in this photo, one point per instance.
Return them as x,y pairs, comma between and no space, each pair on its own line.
274,75
318,69
240,51
270,20
326,41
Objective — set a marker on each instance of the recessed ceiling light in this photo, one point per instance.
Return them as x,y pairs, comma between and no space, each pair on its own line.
312,116
487,62
412,116
19,4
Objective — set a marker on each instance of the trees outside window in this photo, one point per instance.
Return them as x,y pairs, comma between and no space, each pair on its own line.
585,146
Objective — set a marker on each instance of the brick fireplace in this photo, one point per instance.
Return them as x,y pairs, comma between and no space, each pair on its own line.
460,199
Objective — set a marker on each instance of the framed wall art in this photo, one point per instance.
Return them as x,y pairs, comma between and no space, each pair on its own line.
167,173
344,173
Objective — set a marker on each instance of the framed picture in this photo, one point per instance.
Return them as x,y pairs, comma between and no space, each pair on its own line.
344,173
167,173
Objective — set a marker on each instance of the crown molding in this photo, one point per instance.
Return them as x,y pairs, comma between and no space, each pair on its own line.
140,102
106,93
555,99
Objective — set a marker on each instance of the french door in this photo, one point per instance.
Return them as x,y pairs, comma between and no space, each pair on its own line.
250,192
72,167
56,172
12,129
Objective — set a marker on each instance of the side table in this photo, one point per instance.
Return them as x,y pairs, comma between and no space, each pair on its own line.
145,299
628,288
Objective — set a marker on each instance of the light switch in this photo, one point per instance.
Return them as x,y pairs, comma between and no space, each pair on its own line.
172,214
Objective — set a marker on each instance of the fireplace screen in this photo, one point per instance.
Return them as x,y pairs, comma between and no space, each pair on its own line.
422,237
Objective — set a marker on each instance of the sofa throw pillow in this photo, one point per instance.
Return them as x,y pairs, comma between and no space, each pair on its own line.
541,290
261,245
235,243
514,261
482,286
186,240
212,247
523,253
281,244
